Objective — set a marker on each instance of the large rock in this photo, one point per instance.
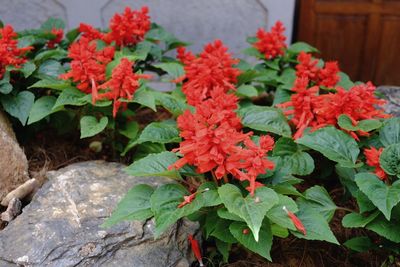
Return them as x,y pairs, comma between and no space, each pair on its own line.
13,162
60,227
392,94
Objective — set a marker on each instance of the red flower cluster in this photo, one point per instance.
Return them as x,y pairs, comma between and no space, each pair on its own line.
307,67
10,54
271,44
213,139
372,155
58,35
308,107
123,84
211,70
89,32
129,28
88,65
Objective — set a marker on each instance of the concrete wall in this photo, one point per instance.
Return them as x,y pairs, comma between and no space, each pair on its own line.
197,21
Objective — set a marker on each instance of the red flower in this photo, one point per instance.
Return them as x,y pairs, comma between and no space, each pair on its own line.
212,69
271,44
328,76
89,32
10,54
88,65
123,84
59,33
129,28
372,155
196,249
307,67
187,200
296,221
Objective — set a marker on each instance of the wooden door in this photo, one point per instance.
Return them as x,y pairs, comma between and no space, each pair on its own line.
363,35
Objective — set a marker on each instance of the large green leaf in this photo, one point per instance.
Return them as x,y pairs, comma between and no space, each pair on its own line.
70,96
298,47
316,226
346,123
360,244
145,97
265,119
209,191
154,165
317,198
90,126
135,205
18,106
279,216
28,68
221,231
345,81
384,196
246,91
388,229
160,132
42,108
261,246
252,209
354,220
333,144
51,83
390,160
164,204
174,69
50,69
52,23
389,134
171,103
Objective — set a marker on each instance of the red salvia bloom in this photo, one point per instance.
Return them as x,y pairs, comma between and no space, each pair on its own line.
123,84
196,249
296,221
89,32
328,76
10,54
213,68
59,33
271,44
372,155
88,65
129,28
307,67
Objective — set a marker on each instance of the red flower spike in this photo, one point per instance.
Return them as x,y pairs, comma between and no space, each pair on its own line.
196,249
296,221
89,32
129,27
123,84
271,44
372,155
59,33
10,54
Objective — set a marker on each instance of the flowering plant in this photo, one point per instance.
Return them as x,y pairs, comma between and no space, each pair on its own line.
252,141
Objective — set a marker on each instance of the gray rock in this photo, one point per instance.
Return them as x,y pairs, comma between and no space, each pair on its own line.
13,163
392,94
60,227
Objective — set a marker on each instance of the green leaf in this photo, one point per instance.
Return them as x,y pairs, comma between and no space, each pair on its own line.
145,98
278,215
18,106
384,197
360,244
5,85
345,122
317,198
154,165
28,68
247,76
355,220
90,126
209,192
246,91
224,249
266,119
131,131
388,229
50,69
52,84
281,96
287,78
56,54
145,149
52,23
333,144
345,81
160,132
175,105
42,108
252,209
225,214
316,226
390,160
261,246
253,52
279,231
221,231
142,49
135,205
390,132
70,96
298,47
174,69
164,204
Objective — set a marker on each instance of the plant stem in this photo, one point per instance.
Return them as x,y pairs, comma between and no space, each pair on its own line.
226,179
345,209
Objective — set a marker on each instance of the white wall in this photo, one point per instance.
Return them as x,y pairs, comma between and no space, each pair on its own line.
197,21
